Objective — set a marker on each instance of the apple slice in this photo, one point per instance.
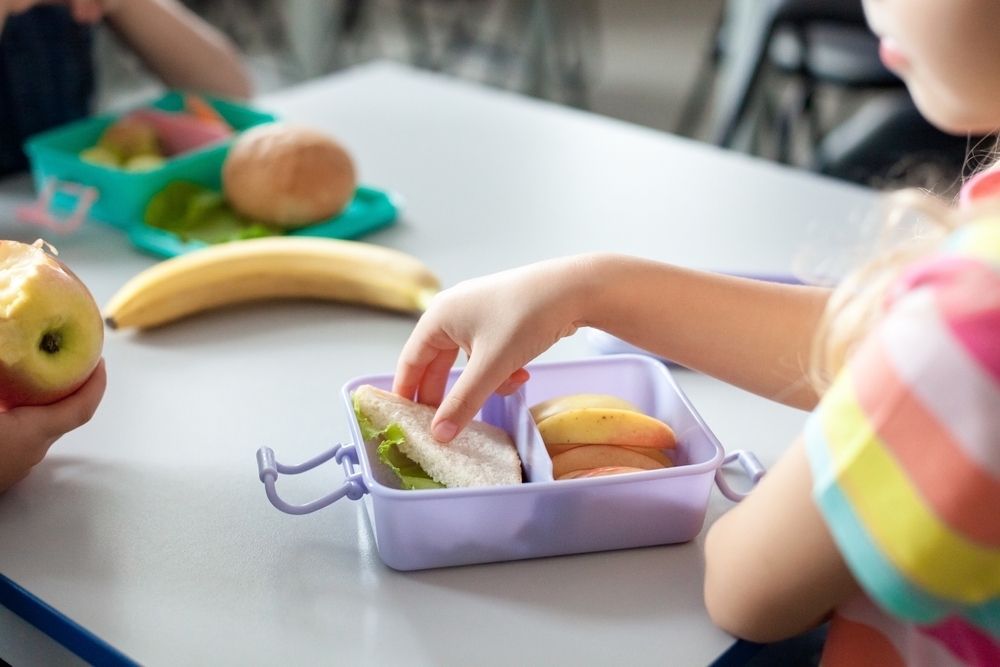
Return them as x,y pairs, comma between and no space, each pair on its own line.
599,456
554,406
656,454
51,331
606,426
599,472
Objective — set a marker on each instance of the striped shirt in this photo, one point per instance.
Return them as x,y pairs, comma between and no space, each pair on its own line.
905,455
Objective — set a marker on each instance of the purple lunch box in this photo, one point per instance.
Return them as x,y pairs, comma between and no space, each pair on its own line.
431,528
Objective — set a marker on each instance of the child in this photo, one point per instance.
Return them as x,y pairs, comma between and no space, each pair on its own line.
46,64
885,514
46,79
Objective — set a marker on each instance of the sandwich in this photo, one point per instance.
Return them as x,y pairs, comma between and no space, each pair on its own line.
481,455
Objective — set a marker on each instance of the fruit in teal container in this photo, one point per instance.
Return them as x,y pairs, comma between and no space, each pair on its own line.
51,331
130,137
129,143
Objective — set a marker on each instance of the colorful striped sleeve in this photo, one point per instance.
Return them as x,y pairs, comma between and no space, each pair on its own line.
905,447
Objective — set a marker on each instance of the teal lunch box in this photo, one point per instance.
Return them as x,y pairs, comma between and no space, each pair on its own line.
72,190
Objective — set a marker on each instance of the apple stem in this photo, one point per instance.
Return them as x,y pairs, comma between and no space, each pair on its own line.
51,341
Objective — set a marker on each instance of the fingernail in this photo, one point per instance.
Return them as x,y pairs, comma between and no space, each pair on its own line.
445,431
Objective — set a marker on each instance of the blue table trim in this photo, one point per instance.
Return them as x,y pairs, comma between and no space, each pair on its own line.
738,654
87,646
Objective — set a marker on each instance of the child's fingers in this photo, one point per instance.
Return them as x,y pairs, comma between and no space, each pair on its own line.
478,380
424,347
78,408
435,377
514,382
28,431
86,11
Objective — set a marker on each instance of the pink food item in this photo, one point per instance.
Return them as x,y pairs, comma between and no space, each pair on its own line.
181,132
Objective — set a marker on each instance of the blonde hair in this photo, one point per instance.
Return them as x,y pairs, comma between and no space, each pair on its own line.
916,223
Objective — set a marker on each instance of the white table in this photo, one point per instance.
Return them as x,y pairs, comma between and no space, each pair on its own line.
149,528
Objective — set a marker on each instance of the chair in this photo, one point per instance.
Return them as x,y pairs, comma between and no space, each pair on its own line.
888,144
775,57
539,47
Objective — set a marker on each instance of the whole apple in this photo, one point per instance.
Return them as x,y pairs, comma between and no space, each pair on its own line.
51,330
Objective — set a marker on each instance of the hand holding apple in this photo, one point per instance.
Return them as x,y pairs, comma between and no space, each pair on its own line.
51,374
51,331
27,432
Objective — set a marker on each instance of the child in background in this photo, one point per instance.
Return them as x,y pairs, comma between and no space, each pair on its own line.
885,515
46,64
46,79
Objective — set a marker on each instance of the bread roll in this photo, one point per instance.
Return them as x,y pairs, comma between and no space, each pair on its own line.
287,175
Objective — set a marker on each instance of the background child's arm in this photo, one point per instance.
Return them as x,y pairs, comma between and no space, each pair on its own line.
752,334
27,432
181,48
772,569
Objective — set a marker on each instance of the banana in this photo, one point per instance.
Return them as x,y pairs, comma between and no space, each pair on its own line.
269,268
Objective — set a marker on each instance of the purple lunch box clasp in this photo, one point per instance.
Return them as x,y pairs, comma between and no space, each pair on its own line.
346,455
751,465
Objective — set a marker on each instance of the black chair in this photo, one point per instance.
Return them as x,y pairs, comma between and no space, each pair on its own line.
772,66
809,42
887,144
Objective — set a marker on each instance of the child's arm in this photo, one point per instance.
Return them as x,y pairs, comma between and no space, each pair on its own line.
181,48
27,432
752,334
772,569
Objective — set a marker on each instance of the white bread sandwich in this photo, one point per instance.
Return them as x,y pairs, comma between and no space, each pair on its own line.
481,455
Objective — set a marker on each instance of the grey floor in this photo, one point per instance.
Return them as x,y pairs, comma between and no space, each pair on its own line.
638,58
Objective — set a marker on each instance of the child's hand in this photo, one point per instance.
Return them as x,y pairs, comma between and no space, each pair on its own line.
27,432
502,322
91,11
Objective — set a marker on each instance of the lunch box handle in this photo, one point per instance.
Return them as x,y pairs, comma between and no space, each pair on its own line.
39,212
751,466
346,455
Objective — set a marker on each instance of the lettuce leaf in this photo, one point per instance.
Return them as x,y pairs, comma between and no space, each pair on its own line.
409,471
194,212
